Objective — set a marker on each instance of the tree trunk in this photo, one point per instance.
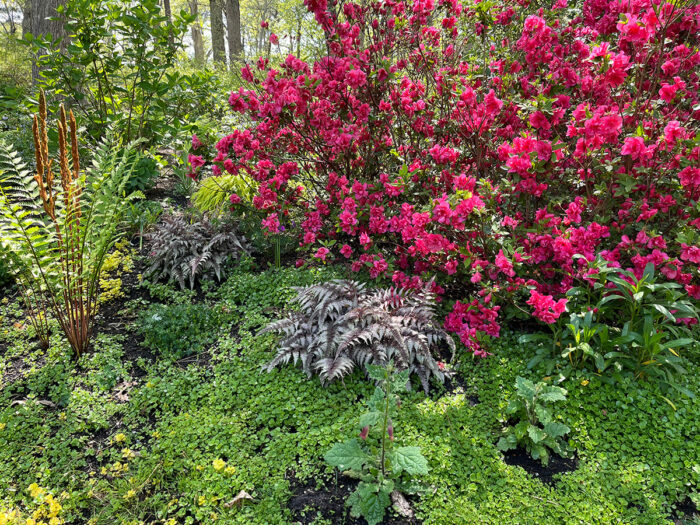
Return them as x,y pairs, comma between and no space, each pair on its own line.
39,24
233,26
218,44
26,17
169,16
197,40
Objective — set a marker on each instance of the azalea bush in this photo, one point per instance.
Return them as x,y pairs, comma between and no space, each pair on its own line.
498,148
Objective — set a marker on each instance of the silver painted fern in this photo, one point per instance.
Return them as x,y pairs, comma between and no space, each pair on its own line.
182,251
341,324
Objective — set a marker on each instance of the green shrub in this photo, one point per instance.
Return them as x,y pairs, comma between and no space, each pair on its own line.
144,173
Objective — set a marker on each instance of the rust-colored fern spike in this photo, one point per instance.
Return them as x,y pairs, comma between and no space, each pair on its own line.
44,142
74,145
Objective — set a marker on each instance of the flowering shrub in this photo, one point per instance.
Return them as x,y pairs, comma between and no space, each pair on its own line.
498,147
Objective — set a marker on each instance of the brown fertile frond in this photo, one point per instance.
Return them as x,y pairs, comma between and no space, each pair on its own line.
74,145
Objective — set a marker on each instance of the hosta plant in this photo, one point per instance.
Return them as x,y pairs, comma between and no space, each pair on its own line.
536,429
383,469
183,250
342,324
60,223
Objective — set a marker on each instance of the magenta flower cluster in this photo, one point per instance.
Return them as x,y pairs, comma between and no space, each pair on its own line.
499,150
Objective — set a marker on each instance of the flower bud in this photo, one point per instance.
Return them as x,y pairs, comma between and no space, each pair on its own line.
364,433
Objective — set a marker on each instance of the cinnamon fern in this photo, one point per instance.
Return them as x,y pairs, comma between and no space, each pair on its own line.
60,222
341,324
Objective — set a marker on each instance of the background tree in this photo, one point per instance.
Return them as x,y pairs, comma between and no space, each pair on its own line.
216,20
233,29
44,20
197,39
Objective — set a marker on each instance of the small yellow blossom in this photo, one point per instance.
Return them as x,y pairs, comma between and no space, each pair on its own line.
2,426
202,500
130,494
230,470
128,454
219,464
119,438
35,490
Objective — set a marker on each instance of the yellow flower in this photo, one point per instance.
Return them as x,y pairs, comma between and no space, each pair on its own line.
2,426
171,521
119,438
62,416
202,500
54,506
219,465
128,454
230,470
35,490
130,494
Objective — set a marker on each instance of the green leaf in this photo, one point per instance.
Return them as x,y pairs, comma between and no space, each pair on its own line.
526,388
409,459
369,503
544,415
508,442
553,393
369,419
347,455
556,429
536,434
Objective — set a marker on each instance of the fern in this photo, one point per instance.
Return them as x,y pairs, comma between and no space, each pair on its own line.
181,250
60,226
340,325
214,192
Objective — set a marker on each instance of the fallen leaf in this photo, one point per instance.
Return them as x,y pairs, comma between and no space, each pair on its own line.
401,504
238,501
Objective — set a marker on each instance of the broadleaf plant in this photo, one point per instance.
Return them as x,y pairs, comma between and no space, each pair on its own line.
381,468
536,429
341,324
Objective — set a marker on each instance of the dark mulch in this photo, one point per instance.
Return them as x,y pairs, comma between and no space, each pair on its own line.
557,465
308,504
686,512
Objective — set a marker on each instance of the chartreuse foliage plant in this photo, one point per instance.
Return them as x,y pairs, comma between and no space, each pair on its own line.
536,429
342,324
61,223
381,467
